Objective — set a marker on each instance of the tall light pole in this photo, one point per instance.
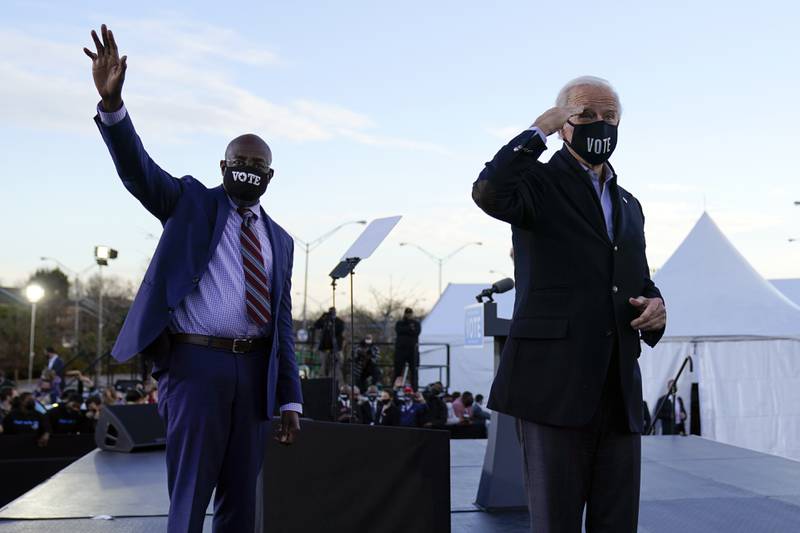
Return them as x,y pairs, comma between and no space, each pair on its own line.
102,255
443,259
309,246
33,293
77,311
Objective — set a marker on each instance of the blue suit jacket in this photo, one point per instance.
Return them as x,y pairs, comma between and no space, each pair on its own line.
193,218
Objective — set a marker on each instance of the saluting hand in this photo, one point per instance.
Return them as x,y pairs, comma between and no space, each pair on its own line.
653,314
108,69
554,118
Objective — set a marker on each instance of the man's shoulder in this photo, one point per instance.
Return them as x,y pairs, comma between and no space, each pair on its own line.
282,233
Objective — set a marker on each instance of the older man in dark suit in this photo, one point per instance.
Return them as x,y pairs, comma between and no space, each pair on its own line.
569,370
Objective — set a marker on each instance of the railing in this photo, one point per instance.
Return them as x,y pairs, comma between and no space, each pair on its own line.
104,370
311,358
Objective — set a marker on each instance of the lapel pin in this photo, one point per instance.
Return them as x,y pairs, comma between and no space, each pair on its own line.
624,199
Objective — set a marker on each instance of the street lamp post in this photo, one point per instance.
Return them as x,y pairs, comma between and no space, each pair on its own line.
33,293
309,246
440,260
102,255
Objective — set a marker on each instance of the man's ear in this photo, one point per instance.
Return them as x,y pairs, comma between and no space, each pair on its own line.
562,133
222,166
271,173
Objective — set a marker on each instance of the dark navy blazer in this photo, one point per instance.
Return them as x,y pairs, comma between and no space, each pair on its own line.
193,218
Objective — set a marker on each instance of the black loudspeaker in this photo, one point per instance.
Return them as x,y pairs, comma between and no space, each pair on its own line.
127,428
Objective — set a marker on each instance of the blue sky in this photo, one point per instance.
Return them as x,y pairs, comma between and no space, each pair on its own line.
375,109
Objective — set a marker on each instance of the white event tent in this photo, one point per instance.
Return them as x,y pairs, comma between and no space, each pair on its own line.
744,337
789,287
742,333
471,368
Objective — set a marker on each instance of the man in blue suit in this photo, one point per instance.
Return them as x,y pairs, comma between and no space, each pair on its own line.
214,313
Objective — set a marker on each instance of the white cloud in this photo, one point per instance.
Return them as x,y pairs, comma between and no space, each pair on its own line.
180,82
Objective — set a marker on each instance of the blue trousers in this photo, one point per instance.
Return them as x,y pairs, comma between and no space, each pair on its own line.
213,405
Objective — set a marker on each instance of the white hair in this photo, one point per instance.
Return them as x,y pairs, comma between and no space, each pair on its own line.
593,81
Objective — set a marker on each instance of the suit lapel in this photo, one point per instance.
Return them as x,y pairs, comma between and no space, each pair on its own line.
277,262
223,211
581,192
619,205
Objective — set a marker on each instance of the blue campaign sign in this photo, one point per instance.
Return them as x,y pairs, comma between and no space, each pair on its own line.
473,325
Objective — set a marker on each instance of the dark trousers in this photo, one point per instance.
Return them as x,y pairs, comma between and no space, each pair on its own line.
213,403
596,466
410,357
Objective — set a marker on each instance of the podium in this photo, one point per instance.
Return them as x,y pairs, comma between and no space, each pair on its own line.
501,486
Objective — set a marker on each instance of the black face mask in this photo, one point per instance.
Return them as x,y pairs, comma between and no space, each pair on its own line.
594,142
245,184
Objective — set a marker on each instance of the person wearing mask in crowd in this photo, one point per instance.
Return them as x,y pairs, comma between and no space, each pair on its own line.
331,344
54,362
452,419
151,394
84,382
370,407
344,404
7,395
94,404
389,414
67,418
110,396
4,381
24,419
406,350
672,415
134,397
462,408
480,414
412,409
366,370
49,389
214,312
436,408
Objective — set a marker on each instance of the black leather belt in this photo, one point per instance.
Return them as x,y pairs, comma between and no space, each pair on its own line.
230,345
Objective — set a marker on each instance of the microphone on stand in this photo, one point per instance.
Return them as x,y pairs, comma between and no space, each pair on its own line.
498,287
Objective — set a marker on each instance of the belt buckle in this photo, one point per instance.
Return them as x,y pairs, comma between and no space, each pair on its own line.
236,349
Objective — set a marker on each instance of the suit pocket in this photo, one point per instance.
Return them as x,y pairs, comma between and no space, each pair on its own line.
539,328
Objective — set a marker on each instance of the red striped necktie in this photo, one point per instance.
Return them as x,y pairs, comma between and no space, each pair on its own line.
257,297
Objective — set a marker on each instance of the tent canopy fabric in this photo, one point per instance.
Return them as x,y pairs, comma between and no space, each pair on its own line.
445,322
471,368
711,291
789,287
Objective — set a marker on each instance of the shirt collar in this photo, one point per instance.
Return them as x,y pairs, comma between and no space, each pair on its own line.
592,174
255,208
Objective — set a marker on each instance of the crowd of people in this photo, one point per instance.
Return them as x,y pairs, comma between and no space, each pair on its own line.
430,407
63,402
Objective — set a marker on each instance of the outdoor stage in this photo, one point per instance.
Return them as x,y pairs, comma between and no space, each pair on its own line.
689,484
